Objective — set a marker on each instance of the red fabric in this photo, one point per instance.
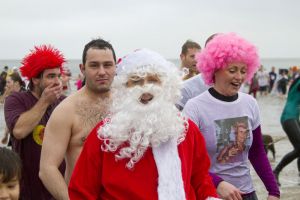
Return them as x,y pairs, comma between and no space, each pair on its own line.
97,175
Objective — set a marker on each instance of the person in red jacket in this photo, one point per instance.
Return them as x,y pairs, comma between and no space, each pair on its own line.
145,148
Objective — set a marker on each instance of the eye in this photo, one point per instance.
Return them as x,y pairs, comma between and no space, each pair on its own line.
243,71
108,65
11,186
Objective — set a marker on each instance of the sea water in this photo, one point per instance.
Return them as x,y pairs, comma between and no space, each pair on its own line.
73,65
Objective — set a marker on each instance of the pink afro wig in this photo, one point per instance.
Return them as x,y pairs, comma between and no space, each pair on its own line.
41,58
224,49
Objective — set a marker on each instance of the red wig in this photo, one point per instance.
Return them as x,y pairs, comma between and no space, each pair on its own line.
41,58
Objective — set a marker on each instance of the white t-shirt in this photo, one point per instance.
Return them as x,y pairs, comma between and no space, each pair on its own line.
191,88
217,121
263,78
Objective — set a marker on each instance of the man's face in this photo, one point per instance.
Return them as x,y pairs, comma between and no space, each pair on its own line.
135,80
99,69
50,77
188,60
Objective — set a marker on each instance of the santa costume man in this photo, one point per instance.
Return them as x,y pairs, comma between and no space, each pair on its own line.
145,149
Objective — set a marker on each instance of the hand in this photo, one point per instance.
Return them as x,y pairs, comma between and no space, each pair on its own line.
51,93
272,198
5,139
228,191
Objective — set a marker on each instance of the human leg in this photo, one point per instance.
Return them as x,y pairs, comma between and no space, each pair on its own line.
292,129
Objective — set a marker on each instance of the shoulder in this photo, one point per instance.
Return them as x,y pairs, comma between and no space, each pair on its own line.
19,98
199,98
69,103
246,97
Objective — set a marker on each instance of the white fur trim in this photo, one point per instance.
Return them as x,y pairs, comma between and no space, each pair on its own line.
170,183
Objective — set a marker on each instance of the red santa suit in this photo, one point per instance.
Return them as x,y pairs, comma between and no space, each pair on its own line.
98,175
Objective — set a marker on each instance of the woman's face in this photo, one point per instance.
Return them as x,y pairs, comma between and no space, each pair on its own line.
229,80
9,83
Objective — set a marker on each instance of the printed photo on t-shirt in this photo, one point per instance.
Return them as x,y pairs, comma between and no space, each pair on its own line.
233,139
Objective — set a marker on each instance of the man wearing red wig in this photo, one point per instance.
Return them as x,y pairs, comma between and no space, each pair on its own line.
26,114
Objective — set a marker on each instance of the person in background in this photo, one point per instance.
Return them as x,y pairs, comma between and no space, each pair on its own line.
145,149
72,121
253,87
282,83
14,83
2,82
187,57
226,63
263,81
65,78
26,114
79,81
272,78
291,126
193,86
10,174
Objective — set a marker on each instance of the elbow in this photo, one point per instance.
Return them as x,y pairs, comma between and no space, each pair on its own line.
42,173
18,134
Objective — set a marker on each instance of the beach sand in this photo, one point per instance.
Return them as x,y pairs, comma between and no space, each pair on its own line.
271,108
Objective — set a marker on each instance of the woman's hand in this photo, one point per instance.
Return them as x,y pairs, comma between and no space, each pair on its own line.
228,191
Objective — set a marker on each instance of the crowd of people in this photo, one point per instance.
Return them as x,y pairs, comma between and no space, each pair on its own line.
272,82
141,127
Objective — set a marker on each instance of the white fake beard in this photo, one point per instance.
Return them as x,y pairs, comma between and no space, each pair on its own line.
135,126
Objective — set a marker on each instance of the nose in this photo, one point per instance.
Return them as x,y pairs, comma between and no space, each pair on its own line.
4,194
239,75
101,70
57,80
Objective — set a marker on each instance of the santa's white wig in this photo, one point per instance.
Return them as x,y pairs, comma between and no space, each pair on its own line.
133,126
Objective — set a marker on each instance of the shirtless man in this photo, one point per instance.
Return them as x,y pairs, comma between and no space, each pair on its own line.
72,121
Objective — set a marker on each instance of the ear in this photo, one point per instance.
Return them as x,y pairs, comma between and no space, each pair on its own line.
82,68
35,81
182,56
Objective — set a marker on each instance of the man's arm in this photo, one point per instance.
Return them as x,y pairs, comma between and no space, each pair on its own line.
56,141
29,119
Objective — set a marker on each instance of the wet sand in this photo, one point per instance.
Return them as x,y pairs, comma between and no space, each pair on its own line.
271,108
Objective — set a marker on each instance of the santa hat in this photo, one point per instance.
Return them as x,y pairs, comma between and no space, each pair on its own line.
143,61
41,58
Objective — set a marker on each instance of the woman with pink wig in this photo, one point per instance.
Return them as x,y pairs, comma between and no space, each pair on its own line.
226,63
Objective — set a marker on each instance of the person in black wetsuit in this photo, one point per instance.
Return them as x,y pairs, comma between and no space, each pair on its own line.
291,125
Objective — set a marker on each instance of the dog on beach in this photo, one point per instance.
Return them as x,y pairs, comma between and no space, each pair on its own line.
269,145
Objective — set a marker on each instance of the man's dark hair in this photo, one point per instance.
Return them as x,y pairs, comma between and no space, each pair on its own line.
97,44
189,44
10,165
210,38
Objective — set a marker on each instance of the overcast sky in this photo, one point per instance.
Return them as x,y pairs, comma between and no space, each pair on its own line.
161,25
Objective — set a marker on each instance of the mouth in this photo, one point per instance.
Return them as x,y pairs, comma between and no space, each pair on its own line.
236,85
146,98
101,81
